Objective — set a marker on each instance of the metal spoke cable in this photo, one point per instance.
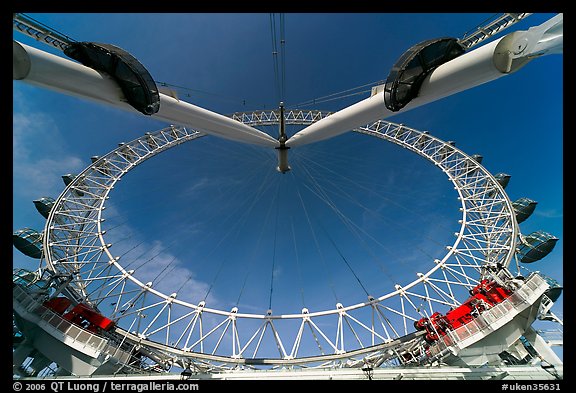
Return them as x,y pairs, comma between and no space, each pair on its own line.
131,249
343,257
275,56
235,228
375,192
357,230
161,250
322,258
361,235
153,202
298,268
274,248
238,225
221,97
246,207
183,223
172,169
314,102
340,192
214,280
338,95
130,236
160,275
185,283
282,58
118,225
257,246
339,214
228,220
278,64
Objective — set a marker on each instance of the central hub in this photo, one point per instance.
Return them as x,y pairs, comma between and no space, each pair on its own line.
283,166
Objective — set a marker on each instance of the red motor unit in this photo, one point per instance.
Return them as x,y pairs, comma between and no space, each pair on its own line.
58,304
483,296
85,316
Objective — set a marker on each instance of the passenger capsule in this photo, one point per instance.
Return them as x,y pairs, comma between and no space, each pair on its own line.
127,152
478,158
523,208
28,242
554,293
503,179
555,289
152,144
536,246
470,167
44,205
68,178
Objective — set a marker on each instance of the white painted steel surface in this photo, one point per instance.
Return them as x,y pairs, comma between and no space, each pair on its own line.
43,69
462,73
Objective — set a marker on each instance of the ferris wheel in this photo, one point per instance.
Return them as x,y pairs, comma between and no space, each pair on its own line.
75,246
413,322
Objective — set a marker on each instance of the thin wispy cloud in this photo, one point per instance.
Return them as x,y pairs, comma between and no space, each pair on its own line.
168,275
201,185
154,262
549,213
32,132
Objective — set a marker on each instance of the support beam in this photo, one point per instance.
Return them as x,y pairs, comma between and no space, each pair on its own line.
543,349
39,68
482,65
467,71
283,166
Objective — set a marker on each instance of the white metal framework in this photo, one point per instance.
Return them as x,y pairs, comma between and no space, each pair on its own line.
198,336
492,28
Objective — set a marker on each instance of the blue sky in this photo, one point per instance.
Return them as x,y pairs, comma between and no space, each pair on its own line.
187,205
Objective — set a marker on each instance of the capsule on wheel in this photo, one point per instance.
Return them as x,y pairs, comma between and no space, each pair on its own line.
406,77
44,205
536,246
28,242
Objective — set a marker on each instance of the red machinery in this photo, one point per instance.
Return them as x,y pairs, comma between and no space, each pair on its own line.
58,304
81,314
484,296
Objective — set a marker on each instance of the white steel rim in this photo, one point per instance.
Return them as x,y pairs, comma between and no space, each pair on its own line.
74,240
